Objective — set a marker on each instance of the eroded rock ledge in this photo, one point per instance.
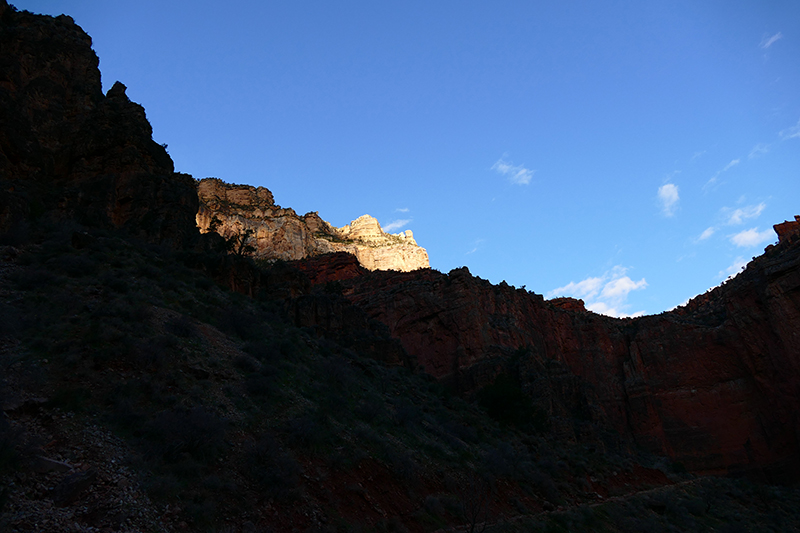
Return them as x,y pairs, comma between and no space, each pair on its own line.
280,233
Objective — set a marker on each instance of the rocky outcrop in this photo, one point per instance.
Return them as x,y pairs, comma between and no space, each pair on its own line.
789,230
714,384
69,152
279,233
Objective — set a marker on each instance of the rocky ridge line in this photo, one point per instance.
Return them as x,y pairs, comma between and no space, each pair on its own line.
714,384
279,233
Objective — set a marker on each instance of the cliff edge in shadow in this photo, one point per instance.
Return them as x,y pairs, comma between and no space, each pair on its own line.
714,384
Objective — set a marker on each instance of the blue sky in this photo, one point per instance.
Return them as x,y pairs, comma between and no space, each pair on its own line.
633,154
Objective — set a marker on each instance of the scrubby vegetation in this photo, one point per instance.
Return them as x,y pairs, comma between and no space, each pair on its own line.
230,412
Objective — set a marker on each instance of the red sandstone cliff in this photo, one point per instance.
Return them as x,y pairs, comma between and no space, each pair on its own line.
714,384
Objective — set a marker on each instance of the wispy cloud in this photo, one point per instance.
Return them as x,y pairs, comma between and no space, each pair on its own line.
475,246
752,237
710,183
732,217
738,216
792,132
396,224
606,294
697,155
668,196
401,210
768,41
758,150
707,233
738,264
731,165
516,174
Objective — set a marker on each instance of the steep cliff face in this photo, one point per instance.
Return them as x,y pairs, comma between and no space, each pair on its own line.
714,384
69,152
279,233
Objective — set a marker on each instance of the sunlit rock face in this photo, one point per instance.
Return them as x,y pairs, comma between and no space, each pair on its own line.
279,233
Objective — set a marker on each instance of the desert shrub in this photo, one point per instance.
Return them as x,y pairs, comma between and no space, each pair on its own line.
10,321
461,431
196,432
263,350
402,464
124,413
148,271
246,363
70,398
370,409
151,354
32,278
8,443
74,266
504,461
433,505
406,414
504,401
203,283
259,385
240,322
181,326
311,430
271,467
115,283
18,234
545,487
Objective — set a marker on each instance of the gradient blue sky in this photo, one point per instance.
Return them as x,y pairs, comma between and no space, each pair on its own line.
633,154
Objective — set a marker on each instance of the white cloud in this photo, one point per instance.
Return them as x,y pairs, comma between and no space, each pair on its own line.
734,218
790,133
715,178
766,42
707,233
620,287
396,224
752,237
516,174
731,165
401,210
588,288
738,264
668,196
475,246
744,213
758,150
606,294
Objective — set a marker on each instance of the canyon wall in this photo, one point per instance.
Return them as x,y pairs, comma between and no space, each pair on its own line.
714,384
68,152
279,233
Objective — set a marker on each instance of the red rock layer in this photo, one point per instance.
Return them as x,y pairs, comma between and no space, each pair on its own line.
788,230
714,385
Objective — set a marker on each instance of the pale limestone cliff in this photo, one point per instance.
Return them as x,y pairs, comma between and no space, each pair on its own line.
279,233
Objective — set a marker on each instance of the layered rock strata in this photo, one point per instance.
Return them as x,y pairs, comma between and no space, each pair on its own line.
279,233
714,384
